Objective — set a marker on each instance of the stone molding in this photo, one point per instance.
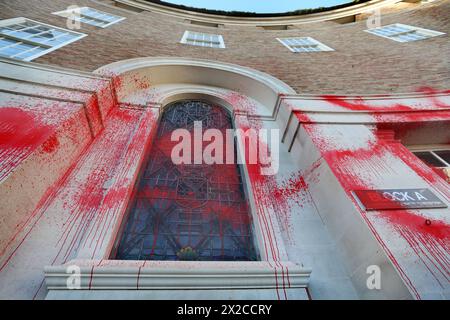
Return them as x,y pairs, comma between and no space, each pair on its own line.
175,275
258,21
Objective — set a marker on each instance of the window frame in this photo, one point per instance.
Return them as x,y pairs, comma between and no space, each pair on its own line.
49,48
323,47
186,34
432,149
256,235
68,11
427,32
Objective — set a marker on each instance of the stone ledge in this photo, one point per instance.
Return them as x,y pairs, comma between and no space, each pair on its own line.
160,275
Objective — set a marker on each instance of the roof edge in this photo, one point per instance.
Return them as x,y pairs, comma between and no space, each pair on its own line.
248,14
330,14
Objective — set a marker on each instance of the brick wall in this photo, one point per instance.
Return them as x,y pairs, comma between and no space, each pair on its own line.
361,63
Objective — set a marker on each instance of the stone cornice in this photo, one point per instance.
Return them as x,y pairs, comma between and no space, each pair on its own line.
258,21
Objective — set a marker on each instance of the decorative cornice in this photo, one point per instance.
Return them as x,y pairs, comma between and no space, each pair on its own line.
258,21
52,68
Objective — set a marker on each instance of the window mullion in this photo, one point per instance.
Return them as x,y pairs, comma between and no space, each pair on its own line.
440,159
23,52
93,18
9,45
27,41
57,37
403,33
27,28
36,34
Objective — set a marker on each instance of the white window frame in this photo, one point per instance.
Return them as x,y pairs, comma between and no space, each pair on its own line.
426,32
432,150
13,21
66,14
188,32
319,44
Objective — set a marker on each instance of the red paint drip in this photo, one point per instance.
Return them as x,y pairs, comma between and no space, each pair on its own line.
430,243
264,190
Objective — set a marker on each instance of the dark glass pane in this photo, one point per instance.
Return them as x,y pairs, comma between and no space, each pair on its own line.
188,212
429,159
444,154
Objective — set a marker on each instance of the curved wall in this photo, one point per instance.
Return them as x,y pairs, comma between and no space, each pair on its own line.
361,63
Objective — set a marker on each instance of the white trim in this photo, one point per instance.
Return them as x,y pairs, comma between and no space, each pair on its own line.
52,68
426,32
433,152
176,275
428,147
261,87
255,21
319,44
13,21
432,149
66,13
130,65
184,37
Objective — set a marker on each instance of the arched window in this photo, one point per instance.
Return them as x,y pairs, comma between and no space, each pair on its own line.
188,211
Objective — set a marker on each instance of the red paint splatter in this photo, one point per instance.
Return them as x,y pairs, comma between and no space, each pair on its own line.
359,104
431,242
51,144
264,189
21,132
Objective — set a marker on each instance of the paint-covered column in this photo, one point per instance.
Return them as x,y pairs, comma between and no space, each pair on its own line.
406,244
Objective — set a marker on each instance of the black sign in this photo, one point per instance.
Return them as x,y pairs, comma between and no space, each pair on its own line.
389,199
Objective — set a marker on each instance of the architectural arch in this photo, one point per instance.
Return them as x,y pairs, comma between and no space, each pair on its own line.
249,95
155,80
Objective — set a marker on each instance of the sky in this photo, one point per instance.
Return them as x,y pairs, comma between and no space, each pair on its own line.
259,6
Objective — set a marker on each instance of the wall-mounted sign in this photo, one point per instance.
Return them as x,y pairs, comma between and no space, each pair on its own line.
389,199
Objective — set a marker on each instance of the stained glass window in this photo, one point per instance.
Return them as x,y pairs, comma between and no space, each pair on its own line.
188,211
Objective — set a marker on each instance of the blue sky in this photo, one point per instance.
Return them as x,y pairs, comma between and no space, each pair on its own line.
260,6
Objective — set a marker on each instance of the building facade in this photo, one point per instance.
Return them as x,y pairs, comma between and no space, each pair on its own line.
356,106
